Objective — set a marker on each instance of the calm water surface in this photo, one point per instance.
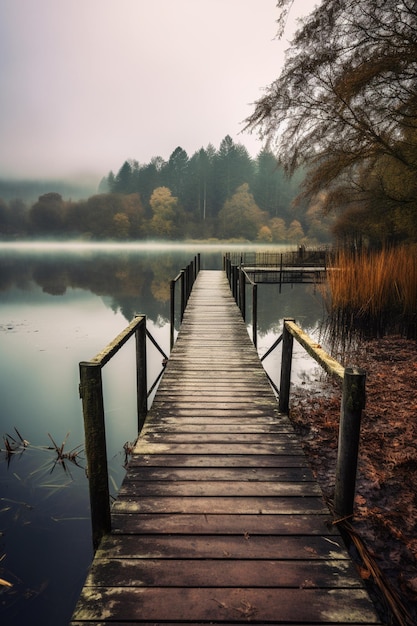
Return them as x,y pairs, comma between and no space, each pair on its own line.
60,305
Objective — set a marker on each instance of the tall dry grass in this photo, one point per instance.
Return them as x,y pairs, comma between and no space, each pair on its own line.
373,293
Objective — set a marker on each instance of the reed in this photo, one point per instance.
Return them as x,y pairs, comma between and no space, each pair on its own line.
372,293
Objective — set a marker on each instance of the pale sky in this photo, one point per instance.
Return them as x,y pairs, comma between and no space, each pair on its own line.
87,84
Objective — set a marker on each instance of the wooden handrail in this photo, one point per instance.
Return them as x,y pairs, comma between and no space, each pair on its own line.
186,278
91,393
352,405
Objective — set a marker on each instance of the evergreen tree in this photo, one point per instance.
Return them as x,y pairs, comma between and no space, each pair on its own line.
232,167
176,172
124,180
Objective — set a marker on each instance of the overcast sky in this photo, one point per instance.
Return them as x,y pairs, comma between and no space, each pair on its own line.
87,84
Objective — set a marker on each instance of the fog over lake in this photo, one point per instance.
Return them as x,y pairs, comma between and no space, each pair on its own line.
61,304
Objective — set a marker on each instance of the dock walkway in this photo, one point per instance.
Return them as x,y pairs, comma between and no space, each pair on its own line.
219,519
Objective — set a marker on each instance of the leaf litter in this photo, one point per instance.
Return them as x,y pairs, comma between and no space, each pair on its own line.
385,516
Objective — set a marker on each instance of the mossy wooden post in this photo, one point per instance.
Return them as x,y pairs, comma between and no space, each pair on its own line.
353,401
91,392
286,361
141,377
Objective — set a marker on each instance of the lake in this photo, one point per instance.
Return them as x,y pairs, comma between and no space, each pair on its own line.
61,304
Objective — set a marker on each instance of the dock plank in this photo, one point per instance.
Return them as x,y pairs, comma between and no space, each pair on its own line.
219,519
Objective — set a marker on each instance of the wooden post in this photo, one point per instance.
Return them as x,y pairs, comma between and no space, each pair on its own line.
286,361
190,278
353,401
255,315
141,377
187,284
172,312
91,392
183,299
242,293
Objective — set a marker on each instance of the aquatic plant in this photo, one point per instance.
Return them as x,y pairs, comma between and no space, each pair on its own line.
372,293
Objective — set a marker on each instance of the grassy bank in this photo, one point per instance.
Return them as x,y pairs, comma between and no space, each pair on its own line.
373,293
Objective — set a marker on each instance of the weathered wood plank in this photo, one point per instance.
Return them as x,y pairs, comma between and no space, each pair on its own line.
214,573
146,447
217,460
203,474
219,488
288,440
221,504
220,604
219,519
191,623
182,426
224,524
242,546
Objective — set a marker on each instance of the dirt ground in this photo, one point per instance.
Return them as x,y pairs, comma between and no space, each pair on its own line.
385,516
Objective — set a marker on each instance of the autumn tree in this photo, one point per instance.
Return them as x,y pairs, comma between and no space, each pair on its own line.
264,234
295,232
121,226
108,215
47,214
164,206
240,215
346,102
278,229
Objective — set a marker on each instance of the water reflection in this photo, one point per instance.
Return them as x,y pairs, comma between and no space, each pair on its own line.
59,307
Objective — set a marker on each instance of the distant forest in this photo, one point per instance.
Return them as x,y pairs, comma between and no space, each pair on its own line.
214,194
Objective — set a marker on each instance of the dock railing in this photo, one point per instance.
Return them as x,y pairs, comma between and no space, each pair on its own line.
353,378
352,404
241,270
91,393
185,279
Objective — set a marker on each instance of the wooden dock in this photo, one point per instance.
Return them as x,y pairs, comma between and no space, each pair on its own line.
219,519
